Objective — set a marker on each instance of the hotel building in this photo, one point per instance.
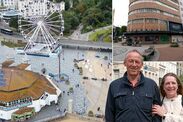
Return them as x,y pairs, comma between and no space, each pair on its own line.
154,21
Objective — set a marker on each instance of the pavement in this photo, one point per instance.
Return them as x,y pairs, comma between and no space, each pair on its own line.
163,52
170,54
96,90
75,118
119,52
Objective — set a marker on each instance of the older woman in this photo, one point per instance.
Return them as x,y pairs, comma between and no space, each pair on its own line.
172,91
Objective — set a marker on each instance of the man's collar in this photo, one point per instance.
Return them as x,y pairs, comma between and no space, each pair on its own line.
140,80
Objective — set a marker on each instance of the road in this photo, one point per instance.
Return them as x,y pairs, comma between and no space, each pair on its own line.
69,42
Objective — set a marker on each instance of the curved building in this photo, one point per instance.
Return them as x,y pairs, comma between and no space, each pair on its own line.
154,21
23,92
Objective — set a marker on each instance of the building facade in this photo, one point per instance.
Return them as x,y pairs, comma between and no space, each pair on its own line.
154,21
181,9
33,7
153,70
38,7
10,4
33,92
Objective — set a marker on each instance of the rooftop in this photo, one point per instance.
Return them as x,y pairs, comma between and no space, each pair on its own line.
20,83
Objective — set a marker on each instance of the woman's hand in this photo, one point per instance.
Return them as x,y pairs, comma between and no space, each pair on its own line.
159,110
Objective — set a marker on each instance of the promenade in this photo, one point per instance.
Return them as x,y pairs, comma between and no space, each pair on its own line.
81,102
163,52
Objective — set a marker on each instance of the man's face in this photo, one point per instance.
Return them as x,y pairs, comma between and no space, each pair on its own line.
133,63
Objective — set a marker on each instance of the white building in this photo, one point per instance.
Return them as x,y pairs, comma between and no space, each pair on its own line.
153,70
10,4
30,8
33,92
38,7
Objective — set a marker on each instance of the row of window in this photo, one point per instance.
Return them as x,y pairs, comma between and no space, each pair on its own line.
152,10
15,102
147,20
155,1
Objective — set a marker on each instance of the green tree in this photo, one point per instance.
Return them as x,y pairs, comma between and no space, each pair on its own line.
81,8
105,4
123,29
91,13
67,5
71,20
93,17
14,22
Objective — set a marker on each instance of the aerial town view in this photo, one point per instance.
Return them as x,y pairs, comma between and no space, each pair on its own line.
153,27
55,60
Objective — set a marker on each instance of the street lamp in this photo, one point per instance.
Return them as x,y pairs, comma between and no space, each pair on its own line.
59,55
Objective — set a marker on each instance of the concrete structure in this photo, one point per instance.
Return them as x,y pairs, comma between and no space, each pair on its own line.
153,70
70,106
24,92
154,21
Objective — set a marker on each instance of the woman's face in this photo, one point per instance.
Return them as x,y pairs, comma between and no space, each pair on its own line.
170,87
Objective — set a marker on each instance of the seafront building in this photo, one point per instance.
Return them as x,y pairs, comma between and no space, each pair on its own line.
155,21
23,92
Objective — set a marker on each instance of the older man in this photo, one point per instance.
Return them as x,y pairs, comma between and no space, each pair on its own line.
131,97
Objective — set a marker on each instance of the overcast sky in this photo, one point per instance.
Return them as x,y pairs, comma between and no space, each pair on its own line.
121,12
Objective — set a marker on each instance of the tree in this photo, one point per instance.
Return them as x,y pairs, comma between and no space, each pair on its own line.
71,20
123,29
14,22
91,13
67,5
93,17
81,8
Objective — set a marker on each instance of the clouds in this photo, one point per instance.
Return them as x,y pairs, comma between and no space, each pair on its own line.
121,12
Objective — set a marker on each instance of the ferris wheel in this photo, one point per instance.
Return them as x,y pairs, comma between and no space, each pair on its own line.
41,33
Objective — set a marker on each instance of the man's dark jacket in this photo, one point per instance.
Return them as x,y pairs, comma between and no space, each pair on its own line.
132,104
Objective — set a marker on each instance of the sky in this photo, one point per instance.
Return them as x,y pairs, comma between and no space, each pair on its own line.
121,12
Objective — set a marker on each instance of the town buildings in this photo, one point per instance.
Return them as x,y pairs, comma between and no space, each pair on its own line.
33,8
155,21
23,92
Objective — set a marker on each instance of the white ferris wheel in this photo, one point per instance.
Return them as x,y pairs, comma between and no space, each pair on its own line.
42,33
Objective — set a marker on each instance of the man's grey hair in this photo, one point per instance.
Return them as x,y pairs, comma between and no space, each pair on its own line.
134,50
